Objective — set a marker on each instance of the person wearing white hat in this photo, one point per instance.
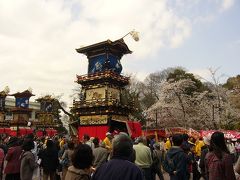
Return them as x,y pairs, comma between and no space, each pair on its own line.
108,141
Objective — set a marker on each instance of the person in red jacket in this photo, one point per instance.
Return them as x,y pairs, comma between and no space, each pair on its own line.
12,169
1,161
218,161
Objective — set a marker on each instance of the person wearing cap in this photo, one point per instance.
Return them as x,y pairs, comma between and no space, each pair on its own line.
108,141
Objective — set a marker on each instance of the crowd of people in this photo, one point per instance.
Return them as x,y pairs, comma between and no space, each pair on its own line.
118,157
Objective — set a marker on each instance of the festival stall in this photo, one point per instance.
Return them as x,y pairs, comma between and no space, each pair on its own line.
228,134
39,133
5,131
50,132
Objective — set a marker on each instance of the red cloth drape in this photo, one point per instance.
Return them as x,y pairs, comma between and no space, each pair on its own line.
29,131
152,132
228,134
93,131
135,128
7,131
54,132
13,133
22,132
39,133
1,130
51,132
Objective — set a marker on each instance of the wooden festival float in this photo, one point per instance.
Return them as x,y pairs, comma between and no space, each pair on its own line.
101,107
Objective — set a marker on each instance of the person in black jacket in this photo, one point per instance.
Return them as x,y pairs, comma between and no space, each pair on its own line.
120,166
176,160
49,160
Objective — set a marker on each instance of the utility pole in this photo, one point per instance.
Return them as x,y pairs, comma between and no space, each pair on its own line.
156,116
213,113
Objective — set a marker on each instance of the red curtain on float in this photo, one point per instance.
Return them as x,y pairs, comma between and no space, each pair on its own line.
135,128
39,133
93,131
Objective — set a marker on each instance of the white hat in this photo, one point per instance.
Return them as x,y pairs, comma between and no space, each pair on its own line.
206,139
108,133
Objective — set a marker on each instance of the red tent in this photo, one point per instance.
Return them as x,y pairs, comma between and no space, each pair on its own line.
228,134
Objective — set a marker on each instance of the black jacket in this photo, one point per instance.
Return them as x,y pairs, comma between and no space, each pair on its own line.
49,159
180,161
118,169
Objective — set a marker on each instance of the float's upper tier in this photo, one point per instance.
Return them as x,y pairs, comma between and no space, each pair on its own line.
105,55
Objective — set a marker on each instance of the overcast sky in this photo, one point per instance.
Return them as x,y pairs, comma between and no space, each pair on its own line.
38,39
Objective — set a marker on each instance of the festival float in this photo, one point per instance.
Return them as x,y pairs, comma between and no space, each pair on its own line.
101,107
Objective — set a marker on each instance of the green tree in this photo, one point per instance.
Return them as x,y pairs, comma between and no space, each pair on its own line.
180,74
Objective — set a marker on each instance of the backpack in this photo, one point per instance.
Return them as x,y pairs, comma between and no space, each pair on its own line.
168,164
156,161
65,161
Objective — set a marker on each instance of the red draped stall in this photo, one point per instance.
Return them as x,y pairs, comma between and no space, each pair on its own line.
39,133
51,132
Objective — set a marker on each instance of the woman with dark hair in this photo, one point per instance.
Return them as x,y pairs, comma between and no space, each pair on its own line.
28,163
218,161
12,169
50,162
82,159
